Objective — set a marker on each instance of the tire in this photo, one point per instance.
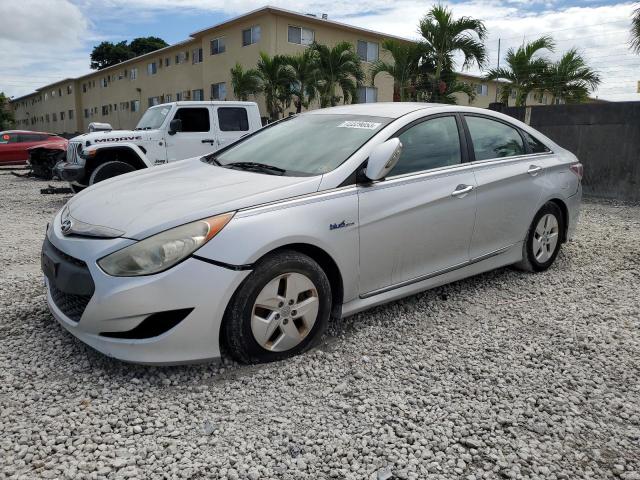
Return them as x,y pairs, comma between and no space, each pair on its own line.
544,239
76,188
109,170
265,331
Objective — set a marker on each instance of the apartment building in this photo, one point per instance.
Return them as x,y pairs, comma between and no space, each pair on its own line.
199,69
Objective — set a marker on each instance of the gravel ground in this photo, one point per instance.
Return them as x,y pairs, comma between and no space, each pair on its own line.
504,375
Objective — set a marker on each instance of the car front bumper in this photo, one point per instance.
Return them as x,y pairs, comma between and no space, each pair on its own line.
70,172
120,304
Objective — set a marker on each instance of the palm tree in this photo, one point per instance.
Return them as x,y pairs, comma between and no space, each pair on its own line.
339,66
525,69
635,31
276,76
403,70
442,38
570,79
307,73
245,83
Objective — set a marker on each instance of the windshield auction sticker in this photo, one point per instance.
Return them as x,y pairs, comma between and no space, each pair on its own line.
357,124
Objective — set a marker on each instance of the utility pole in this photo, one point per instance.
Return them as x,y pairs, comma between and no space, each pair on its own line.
497,83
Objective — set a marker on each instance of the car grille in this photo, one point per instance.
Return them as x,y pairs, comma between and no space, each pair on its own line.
73,306
73,152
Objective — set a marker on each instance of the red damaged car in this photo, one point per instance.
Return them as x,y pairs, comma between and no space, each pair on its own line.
15,145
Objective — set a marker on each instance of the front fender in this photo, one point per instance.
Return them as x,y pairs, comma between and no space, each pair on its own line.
328,221
92,151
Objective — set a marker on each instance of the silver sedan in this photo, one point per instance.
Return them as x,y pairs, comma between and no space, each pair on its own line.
323,214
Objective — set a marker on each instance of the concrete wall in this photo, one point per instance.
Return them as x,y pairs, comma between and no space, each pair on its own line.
604,136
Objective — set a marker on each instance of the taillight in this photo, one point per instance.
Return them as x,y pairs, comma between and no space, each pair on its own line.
578,169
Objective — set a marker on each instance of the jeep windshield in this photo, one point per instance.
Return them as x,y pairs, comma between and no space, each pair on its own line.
302,145
153,118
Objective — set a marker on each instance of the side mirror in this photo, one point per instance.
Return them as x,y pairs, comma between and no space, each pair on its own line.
383,158
175,126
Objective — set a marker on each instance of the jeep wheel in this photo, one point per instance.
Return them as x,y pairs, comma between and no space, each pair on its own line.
109,170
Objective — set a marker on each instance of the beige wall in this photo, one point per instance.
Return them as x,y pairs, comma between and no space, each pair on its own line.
121,89
50,107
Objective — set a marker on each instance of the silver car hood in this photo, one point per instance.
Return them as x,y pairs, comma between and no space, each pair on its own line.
152,200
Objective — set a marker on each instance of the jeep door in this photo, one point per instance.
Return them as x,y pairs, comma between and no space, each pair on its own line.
197,136
418,222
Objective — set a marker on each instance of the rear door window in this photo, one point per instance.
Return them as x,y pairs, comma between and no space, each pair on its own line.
493,139
194,119
535,145
233,119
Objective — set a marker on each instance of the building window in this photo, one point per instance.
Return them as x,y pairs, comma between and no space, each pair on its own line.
152,68
251,35
59,92
218,46
47,117
167,97
181,57
218,91
154,101
367,51
86,113
196,57
103,82
367,95
105,110
482,89
135,105
70,114
69,90
61,116
198,95
133,74
54,117
301,36
167,61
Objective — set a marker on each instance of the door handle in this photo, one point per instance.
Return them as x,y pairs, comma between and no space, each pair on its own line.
534,170
208,140
461,190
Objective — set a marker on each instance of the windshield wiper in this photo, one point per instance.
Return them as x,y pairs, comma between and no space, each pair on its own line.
256,166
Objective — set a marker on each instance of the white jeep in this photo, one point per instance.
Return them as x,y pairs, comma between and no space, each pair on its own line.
165,133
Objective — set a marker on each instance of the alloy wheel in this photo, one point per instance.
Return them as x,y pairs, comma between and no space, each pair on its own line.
284,312
545,238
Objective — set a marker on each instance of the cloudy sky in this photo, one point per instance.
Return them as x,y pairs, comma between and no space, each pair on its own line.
46,40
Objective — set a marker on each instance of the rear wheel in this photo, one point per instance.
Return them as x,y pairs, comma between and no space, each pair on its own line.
543,241
109,170
280,310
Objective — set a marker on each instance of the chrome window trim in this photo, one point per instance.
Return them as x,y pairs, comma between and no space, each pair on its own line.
417,176
514,158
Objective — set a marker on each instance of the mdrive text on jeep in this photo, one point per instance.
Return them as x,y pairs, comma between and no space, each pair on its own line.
165,133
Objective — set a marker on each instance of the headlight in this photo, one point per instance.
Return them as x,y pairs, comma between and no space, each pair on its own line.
163,250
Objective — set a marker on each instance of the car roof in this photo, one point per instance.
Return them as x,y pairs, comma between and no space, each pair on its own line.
379,109
26,131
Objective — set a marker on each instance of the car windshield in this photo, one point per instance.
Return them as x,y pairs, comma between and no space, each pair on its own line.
302,145
153,118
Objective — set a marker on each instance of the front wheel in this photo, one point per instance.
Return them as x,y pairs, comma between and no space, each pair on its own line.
109,170
280,310
543,241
